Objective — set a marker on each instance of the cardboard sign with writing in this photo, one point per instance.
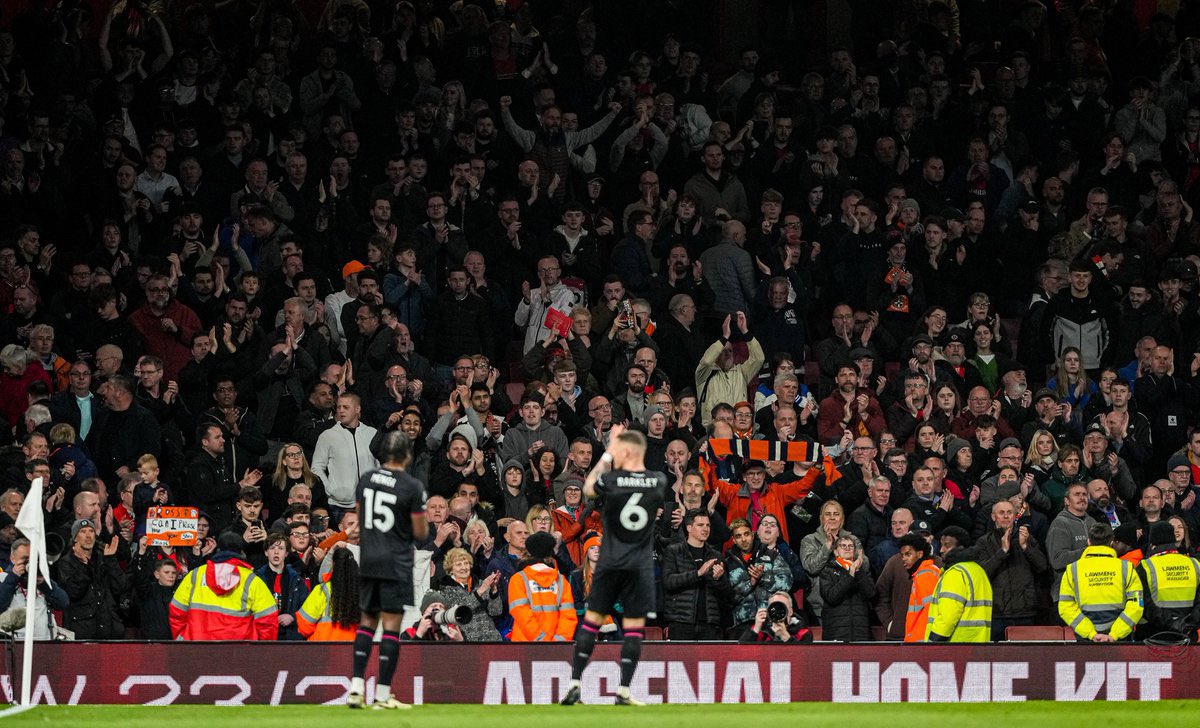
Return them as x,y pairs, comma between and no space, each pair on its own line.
557,321
172,526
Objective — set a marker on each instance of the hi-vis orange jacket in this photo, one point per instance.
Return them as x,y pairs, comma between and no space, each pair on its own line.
774,498
224,600
924,584
542,605
314,620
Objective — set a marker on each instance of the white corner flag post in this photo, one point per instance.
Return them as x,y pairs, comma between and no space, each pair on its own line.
31,524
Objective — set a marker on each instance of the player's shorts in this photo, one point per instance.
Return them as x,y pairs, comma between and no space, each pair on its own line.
633,588
384,595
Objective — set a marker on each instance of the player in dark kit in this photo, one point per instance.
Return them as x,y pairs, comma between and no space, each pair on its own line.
625,571
391,514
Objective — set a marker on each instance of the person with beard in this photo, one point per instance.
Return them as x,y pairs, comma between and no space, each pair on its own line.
719,195
1102,508
247,442
979,403
849,407
165,324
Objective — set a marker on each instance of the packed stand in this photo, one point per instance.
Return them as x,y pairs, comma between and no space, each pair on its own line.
937,289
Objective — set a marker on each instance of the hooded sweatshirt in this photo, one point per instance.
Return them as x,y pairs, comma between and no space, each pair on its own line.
519,438
224,600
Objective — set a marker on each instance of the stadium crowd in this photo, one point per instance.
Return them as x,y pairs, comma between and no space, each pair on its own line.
870,304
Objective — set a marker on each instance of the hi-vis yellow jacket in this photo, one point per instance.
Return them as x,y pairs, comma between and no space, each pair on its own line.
1100,593
962,605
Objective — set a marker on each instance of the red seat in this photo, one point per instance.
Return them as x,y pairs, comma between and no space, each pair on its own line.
812,374
1036,633
655,634
798,595
816,633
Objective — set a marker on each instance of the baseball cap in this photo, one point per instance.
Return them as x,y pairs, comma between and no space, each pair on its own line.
919,527
860,352
1096,428
1031,207
351,268
1010,442
953,213
922,339
1044,393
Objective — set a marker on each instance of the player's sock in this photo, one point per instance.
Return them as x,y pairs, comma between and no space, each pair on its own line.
389,655
631,651
362,653
585,642
357,685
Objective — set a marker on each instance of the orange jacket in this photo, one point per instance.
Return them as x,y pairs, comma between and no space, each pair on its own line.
924,583
1134,557
314,620
542,605
775,498
573,531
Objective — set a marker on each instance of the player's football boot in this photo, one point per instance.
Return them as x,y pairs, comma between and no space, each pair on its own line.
390,704
571,698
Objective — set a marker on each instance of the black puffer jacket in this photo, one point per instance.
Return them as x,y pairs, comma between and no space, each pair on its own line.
93,588
682,585
1013,574
846,616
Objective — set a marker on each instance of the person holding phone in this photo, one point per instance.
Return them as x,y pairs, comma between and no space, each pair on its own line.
249,524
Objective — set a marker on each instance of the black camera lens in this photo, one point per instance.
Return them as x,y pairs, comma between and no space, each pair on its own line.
777,611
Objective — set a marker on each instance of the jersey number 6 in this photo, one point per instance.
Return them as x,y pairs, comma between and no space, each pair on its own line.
633,516
379,514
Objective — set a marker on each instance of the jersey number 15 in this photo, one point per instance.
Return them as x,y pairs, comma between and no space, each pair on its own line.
379,515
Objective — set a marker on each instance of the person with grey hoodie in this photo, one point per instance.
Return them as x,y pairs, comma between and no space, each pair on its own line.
531,434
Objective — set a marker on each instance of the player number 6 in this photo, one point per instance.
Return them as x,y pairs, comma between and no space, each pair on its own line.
633,516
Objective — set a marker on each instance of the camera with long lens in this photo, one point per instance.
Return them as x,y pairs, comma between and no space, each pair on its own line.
777,612
452,616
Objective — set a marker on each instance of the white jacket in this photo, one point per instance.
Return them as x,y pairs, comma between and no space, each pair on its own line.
340,459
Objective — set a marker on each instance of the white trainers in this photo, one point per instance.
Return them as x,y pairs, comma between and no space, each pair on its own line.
390,704
354,700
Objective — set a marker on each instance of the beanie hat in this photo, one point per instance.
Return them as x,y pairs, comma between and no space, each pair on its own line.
79,525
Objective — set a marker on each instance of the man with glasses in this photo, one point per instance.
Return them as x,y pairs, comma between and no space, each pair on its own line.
370,351
76,406
631,256
439,243
167,325
536,303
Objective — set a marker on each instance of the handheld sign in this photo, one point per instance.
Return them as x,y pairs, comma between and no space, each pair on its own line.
172,526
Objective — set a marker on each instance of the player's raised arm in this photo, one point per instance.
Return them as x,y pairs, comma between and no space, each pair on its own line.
604,464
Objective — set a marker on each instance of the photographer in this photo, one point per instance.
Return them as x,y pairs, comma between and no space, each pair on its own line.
777,623
432,627
13,594
769,569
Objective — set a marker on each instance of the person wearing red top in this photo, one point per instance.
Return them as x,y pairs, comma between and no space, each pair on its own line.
20,369
849,407
167,326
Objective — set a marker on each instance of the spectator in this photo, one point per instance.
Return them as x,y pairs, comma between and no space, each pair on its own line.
343,454
847,592
50,597
694,582
93,581
461,585
123,431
